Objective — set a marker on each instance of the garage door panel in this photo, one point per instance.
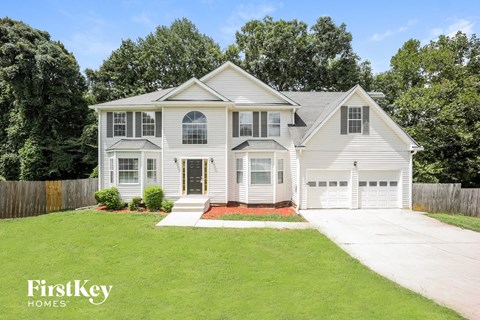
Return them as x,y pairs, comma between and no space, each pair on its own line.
378,189
332,190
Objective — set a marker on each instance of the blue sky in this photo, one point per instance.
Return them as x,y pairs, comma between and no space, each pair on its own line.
92,29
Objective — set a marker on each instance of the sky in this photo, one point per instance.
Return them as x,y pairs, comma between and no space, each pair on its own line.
92,29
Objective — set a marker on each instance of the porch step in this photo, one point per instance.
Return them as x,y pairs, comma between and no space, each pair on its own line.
192,203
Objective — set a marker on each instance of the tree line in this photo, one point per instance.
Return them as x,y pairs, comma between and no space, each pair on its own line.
47,131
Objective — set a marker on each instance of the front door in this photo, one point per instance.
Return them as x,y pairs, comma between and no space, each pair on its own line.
194,176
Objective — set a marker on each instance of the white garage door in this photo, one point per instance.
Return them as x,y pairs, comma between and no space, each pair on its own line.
328,189
378,189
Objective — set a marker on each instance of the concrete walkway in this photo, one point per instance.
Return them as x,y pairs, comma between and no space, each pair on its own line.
437,260
192,219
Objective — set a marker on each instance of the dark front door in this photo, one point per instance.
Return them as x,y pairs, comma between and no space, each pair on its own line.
194,174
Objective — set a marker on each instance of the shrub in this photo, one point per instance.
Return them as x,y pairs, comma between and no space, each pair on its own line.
167,205
135,203
109,198
153,197
94,173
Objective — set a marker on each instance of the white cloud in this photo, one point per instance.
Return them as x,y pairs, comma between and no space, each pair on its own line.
381,36
246,12
463,25
144,19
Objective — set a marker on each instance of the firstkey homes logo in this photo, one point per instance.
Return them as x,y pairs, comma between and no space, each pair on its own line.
56,295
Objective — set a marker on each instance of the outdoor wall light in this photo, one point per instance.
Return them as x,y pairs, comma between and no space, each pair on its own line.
211,160
175,160
355,164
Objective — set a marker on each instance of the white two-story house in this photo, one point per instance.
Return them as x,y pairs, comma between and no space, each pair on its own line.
233,138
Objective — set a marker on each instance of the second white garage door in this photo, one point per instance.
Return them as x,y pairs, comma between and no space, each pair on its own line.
328,189
378,189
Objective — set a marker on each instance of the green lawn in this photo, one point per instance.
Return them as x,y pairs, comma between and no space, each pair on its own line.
472,223
261,217
189,273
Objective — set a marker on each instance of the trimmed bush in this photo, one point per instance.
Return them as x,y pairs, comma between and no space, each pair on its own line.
135,203
109,198
167,205
153,196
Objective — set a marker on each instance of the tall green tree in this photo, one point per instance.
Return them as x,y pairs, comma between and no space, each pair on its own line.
433,92
42,106
167,57
288,55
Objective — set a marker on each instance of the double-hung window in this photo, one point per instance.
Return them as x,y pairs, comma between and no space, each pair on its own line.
151,170
119,124
354,119
128,170
148,124
261,171
246,124
111,170
274,124
240,170
280,171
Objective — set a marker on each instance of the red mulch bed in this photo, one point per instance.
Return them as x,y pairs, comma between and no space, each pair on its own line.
127,210
215,212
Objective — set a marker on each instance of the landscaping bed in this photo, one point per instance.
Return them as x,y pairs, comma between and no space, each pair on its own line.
286,214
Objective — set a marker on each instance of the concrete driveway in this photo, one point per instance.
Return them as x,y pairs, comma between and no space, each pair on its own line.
437,260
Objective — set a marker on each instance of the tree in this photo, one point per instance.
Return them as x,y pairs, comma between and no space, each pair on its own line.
167,57
433,93
42,107
289,56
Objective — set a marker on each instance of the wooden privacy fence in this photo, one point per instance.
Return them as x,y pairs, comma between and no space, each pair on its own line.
446,198
32,198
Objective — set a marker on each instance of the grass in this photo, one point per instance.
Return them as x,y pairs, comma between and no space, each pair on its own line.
193,273
466,222
261,217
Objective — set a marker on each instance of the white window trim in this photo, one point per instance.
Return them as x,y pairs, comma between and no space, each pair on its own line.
149,180
124,124
361,119
241,170
252,171
154,124
118,172
279,123
240,124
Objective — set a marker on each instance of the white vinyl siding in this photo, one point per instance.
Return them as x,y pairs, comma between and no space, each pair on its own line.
119,124
127,191
194,92
148,124
382,149
240,89
215,150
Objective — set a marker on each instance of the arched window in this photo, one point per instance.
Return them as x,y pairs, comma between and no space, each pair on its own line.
194,128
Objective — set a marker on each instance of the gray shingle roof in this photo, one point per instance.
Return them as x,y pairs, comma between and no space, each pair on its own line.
316,106
255,145
133,144
148,99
